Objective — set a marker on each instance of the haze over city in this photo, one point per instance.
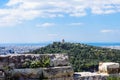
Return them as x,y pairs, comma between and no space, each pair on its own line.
32,21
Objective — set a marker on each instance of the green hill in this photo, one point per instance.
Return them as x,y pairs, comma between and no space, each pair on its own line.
82,57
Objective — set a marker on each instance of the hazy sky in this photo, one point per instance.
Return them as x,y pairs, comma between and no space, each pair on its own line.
29,21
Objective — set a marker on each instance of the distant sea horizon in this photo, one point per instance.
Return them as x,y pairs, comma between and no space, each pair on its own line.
99,44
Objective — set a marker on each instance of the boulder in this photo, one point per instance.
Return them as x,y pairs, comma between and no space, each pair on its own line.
109,67
58,72
43,73
59,60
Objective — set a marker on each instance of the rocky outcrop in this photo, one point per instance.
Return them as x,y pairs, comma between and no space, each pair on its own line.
109,68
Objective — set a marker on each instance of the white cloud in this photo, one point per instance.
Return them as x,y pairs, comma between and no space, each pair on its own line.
106,31
46,25
109,31
17,11
76,24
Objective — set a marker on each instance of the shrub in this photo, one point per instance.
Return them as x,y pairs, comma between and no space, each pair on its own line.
113,78
43,62
35,64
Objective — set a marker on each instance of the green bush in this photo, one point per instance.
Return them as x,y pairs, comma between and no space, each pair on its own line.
35,64
43,62
113,78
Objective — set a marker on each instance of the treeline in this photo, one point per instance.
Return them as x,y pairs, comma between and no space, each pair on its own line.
82,57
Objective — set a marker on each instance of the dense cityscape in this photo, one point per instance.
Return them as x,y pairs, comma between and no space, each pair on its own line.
14,49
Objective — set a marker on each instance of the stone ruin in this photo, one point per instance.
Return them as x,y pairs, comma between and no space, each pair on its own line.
106,69
110,68
18,67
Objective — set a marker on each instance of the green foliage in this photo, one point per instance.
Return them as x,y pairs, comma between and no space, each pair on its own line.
82,57
35,64
44,61
113,78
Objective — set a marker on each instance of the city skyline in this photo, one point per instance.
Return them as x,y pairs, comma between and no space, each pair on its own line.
34,21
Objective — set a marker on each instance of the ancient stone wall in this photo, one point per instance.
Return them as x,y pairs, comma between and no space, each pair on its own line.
50,67
106,69
109,68
36,66
44,73
91,78
21,60
95,76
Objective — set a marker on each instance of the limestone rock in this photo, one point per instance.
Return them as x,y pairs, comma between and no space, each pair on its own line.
59,60
58,72
109,67
44,73
19,59
56,66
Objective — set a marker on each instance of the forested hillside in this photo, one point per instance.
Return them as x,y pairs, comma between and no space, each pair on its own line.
82,57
